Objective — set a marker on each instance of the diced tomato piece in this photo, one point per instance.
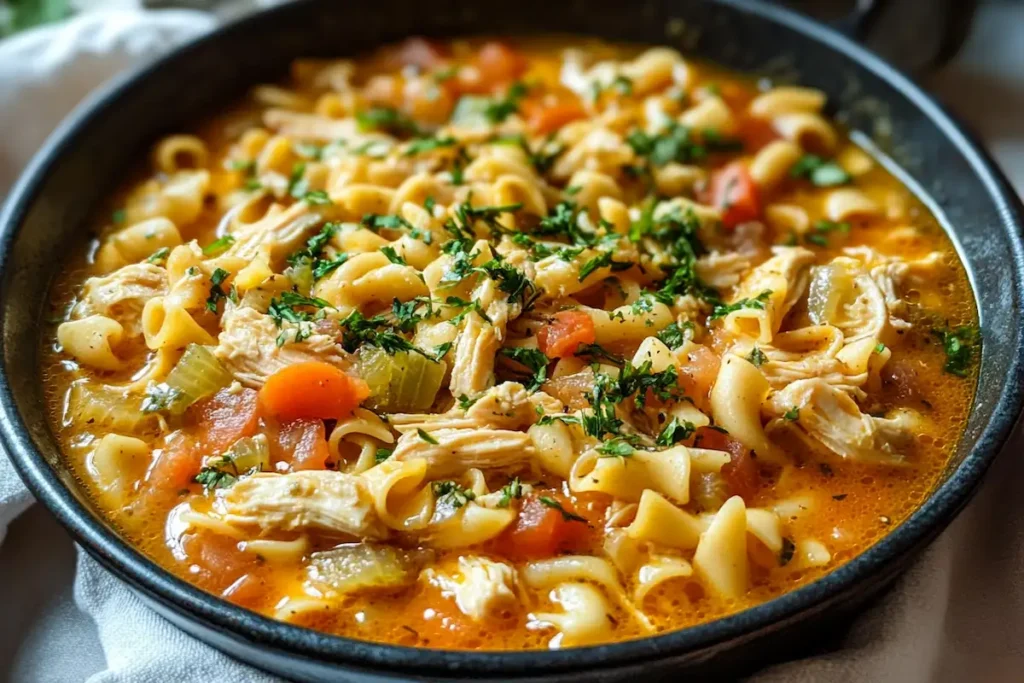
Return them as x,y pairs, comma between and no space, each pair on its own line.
741,473
224,418
420,52
756,132
220,561
302,443
177,464
697,372
567,330
544,117
312,390
734,193
499,63
544,530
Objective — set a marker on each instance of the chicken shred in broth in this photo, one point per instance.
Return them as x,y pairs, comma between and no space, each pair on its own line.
509,345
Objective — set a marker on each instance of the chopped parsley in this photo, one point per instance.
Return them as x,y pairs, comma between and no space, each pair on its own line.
879,347
423,145
282,309
548,501
598,352
616,448
564,419
317,198
758,302
118,216
219,245
821,172
757,357
677,143
450,494
818,235
159,256
388,120
466,402
392,255
512,490
426,436
213,478
675,335
961,345
793,414
217,293
160,397
534,360
603,260
675,431
297,186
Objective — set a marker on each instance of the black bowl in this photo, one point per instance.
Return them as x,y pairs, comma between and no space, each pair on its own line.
95,148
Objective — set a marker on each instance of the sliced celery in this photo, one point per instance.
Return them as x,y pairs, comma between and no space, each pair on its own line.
403,382
354,567
197,375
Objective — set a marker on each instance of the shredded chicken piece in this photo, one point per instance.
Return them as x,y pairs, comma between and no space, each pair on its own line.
786,362
722,270
473,367
122,295
457,450
505,406
277,234
309,126
314,499
481,587
828,416
247,346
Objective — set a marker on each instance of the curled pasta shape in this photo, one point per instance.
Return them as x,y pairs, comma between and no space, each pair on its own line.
180,152
399,498
770,166
592,187
277,551
512,189
721,555
787,100
370,277
658,571
137,243
553,444
117,463
711,114
659,521
91,341
471,525
811,131
849,204
736,400
667,472
584,617
625,325
171,327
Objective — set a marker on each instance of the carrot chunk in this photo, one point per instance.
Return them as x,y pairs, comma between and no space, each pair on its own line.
499,63
312,390
546,118
546,525
566,332
734,193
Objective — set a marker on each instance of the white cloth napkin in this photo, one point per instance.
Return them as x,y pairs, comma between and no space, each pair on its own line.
954,616
43,75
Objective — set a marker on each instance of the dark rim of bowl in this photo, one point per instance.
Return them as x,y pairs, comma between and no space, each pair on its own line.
159,584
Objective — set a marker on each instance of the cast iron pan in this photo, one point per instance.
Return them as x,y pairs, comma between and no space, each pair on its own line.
93,150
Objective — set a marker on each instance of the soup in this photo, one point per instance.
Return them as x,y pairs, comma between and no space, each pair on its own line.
509,346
